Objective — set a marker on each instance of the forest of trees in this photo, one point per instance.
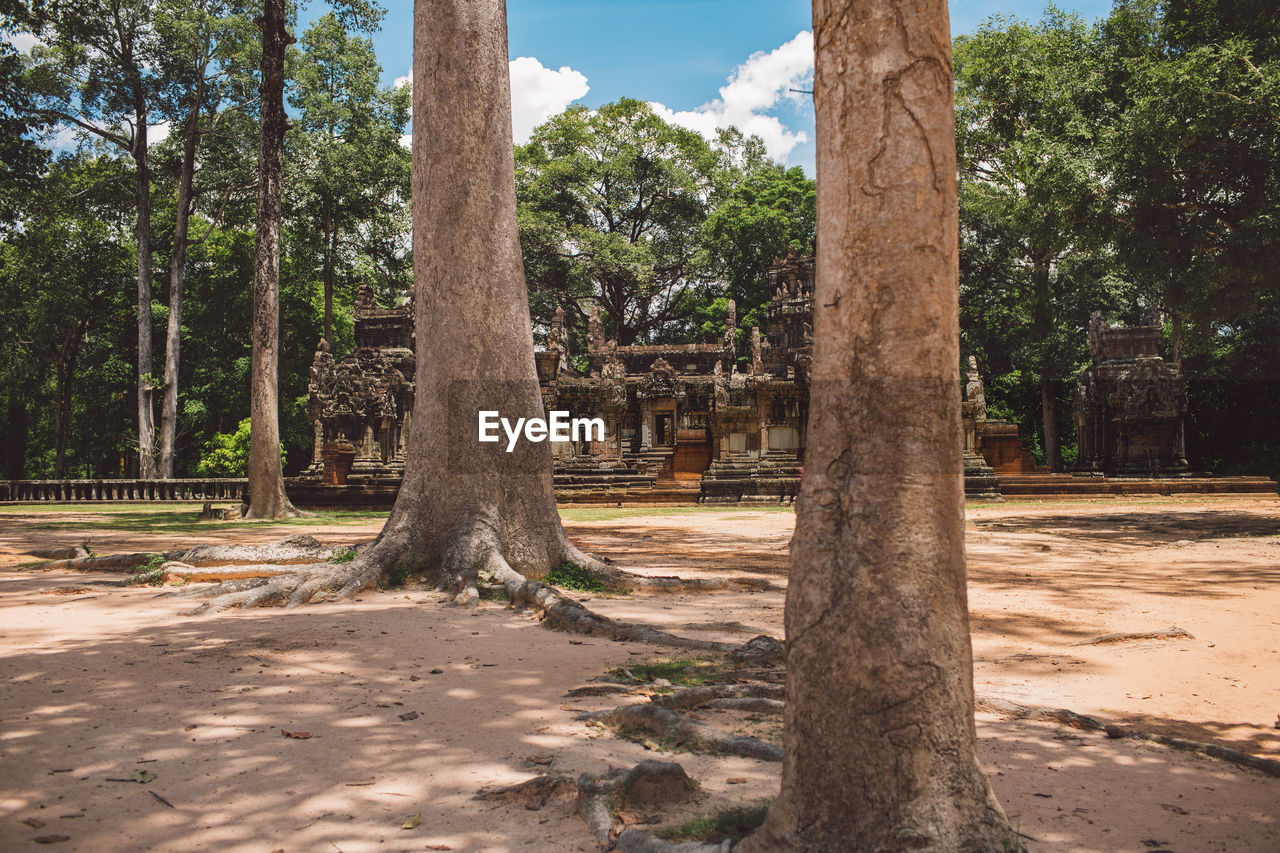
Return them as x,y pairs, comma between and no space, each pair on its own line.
1124,165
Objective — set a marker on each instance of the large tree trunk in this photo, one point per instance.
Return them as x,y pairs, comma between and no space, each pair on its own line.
68,356
146,423
879,732
15,438
1049,414
326,274
267,498
177,279
1042,329
465,504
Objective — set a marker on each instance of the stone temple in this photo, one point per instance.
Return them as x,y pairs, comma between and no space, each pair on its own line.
716,422
690,421
1130,404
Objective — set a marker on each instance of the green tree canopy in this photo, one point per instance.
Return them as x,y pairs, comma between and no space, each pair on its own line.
612,206
1032,114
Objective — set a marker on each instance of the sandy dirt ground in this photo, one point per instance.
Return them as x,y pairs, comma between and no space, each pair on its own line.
412,706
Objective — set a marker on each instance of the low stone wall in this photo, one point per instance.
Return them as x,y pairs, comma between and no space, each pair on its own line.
110,491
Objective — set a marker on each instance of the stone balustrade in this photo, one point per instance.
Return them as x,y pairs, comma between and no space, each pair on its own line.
191,489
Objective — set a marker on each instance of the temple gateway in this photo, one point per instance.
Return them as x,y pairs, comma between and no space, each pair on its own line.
697,423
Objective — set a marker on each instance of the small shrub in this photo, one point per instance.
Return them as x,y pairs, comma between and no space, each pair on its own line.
681,672
734,824
227,453
397,576
572,576
346,555
149,573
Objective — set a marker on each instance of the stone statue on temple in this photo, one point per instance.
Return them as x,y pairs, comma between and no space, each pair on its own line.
974,393
595,332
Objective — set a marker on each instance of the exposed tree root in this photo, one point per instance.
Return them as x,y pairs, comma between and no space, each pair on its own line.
635,841
305,584
715,695
286,551
1064,717
108,562
1173,632
620,580
1061,716
655,719
533,793
650,784
565,613
1269,766
473,560
291,549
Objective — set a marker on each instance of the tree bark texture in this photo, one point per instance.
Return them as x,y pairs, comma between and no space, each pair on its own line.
1042,328
879,732
466,504
267,498
68,356
177,280
142,191
330,250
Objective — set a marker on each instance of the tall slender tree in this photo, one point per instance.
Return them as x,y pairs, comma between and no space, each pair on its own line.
267,498
352,170
465,508
95,70
879,735
204,69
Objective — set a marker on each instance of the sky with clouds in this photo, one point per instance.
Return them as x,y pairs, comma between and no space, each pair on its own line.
701,63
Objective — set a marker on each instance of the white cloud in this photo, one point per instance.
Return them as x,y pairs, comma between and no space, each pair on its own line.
538,93
760,84
22,42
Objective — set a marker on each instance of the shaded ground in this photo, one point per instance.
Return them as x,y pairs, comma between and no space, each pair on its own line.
101,682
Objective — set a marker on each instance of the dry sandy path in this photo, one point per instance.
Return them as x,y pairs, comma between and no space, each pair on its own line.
108,681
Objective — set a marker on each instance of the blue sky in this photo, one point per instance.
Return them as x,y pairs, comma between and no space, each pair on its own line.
675,53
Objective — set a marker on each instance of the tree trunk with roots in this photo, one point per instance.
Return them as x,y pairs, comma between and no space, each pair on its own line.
267,498
467,508
879,733
466,505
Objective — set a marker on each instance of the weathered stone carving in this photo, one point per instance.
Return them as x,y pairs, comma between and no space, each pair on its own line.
1130,403
358,405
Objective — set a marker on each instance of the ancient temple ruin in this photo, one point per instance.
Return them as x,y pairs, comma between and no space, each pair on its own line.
712,422
1130,404
360,406
691,418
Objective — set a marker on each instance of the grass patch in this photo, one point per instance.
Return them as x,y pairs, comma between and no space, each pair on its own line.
572,576
178,519
681,672
734,824
149,573
397,576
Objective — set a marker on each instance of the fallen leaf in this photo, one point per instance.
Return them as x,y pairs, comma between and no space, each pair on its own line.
737,780
296,735
51,839
412,822
439,847
34,823
412,715
191,728
143,776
